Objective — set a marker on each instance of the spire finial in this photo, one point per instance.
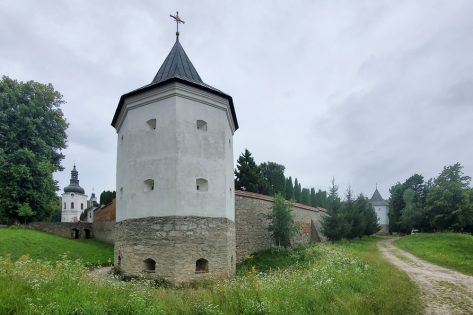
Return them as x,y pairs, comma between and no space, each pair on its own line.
178,20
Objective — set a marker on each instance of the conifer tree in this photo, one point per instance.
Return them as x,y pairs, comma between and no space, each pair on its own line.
334,224
321,199
313,198
361,216
289,189
247,175
281,222
274,177
352,215
297,191
305,196
368,214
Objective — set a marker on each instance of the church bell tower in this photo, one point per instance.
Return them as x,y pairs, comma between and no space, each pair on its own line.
175,188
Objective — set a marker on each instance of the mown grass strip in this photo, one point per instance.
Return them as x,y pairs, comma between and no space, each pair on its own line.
450,250
17,242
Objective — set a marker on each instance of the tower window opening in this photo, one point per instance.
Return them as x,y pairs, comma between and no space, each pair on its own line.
152,124
201,265
149,185
149,265
201,125
82,206
64,205
72,205
202,184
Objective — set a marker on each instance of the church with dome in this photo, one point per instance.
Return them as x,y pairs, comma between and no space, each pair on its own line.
74,199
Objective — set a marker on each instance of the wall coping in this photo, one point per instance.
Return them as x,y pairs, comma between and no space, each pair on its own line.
253,195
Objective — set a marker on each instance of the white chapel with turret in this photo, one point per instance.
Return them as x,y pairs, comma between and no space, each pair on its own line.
74,200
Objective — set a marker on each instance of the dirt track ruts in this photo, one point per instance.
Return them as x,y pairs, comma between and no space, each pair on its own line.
444,291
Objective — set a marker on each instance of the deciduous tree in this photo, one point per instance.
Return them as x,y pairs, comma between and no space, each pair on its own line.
32,135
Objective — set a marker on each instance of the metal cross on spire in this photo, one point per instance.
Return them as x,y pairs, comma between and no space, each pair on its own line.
178,20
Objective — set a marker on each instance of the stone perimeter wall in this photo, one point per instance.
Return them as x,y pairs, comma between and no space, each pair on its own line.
104,223
175,243
251,223
64,229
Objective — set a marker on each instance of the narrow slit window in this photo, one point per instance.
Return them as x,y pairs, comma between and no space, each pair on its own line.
82,206
151,124
149,265
64,205
202,184
148,185
72,205
202,265
201,125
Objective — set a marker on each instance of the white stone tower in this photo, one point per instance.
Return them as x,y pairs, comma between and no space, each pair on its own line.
74,201
381,208
175,190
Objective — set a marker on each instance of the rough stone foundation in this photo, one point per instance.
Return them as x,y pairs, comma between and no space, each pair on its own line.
175,244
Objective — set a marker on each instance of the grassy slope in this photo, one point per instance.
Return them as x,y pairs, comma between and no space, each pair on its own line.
39,245
451,250
341,278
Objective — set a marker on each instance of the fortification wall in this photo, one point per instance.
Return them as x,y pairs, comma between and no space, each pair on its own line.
65,229
251,223
104,223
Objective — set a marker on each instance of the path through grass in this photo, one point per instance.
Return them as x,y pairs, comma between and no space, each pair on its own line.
450,250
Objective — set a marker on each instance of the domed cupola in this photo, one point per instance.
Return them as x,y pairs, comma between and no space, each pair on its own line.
74,184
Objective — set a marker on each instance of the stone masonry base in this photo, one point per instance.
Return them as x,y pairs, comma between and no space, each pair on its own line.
178,246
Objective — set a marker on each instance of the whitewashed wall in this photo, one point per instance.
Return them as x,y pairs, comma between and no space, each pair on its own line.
175,154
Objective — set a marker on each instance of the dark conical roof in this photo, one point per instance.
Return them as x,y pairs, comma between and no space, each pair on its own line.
74,183
377,200
177,67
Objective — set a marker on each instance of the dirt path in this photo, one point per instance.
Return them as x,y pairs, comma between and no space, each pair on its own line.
444,291
101,274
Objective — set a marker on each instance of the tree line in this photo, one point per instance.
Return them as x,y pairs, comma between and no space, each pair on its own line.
268,178
350,218
347,219
439,204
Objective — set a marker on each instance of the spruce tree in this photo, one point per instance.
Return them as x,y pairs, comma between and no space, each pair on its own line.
281,221
334,223
360,217
247,175
369,215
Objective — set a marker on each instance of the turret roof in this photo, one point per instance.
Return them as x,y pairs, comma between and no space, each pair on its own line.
74,183
377,200
177,67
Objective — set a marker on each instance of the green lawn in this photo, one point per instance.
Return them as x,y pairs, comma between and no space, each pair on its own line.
451,250
39,245
340,278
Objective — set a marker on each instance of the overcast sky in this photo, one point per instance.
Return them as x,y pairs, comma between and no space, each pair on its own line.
364,91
